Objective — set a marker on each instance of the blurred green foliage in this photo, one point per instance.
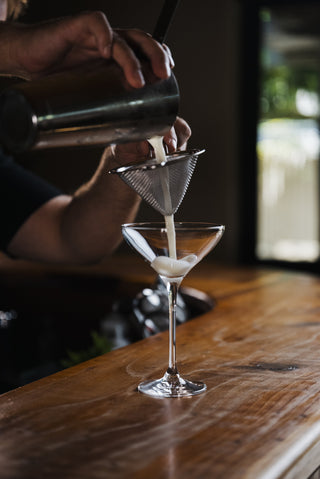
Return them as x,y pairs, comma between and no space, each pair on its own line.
279,85
100,345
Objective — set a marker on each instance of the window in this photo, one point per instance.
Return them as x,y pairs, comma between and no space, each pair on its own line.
287,139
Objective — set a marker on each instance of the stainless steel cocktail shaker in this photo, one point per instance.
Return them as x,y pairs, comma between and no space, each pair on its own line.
91,105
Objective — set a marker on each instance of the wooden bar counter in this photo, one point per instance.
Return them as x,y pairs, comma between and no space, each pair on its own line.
258,351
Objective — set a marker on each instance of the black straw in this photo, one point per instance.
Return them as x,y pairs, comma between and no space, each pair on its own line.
164,20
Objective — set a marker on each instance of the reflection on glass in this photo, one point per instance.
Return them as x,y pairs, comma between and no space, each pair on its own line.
288,141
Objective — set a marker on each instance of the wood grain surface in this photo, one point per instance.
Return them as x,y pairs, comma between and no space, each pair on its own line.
258,352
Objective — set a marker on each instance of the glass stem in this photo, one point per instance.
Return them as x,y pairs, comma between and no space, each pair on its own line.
172,288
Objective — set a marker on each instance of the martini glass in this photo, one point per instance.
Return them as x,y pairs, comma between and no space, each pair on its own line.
193,242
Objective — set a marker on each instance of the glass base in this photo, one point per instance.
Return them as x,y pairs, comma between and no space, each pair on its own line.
171,386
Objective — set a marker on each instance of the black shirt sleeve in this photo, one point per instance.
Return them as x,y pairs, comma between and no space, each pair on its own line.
21,193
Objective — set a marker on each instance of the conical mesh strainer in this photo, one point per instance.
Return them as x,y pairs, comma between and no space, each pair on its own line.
162,185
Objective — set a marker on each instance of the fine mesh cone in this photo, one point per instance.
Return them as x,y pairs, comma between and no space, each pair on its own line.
162,185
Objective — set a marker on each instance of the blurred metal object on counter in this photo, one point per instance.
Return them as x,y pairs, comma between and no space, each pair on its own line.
146,313
150,309
91,105
6,317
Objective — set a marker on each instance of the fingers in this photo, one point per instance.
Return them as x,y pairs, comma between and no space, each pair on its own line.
159,55
183,132
104,35
170,139
128,61
92,32
142,150
168,51
97,25
178,136
131,152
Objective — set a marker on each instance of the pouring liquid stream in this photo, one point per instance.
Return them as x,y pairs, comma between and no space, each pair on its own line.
163,265
157,143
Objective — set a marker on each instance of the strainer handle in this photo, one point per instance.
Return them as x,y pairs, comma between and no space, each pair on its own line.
164,20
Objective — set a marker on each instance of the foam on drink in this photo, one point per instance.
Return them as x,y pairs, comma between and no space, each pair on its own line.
173,267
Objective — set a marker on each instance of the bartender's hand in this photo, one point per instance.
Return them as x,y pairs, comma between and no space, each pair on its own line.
178,136
175,139
32,51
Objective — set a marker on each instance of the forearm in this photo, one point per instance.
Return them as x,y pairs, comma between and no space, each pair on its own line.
83,228
91,223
